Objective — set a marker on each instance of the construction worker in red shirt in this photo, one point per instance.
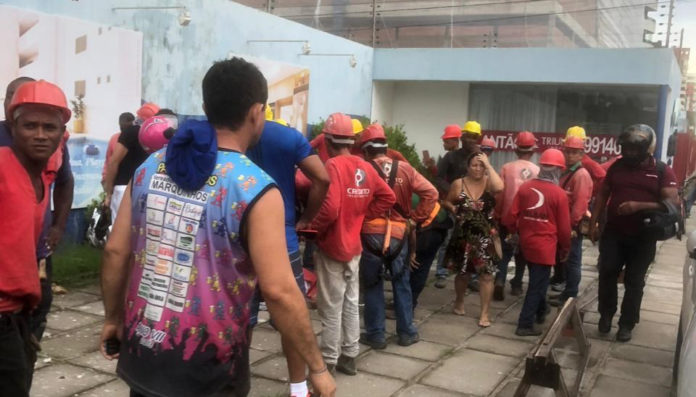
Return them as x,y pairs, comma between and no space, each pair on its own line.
540,215
513,174
356,191
596,171
37,115
577,183
385,251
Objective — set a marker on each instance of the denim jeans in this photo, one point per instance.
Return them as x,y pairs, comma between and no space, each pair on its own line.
617,250
370,270
428,243
39,315
442,271
535,300
573,269
508,254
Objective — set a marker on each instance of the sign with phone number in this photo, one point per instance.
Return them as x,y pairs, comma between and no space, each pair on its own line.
596,145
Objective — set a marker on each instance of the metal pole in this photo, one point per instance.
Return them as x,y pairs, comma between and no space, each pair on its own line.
681,39
374,23
669,23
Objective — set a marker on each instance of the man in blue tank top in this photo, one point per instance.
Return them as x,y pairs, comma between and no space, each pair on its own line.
200,225
279,152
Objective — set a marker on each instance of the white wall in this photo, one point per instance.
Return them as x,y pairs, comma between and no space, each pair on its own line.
424,108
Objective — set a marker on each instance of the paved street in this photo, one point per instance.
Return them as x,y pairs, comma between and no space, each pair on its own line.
454,358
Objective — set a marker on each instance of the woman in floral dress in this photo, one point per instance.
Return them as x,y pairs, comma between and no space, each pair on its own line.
472,248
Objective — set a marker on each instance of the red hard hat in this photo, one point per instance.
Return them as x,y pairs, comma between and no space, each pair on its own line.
525,140
40,93
487,143
339,124
373,132
553,157
574,142
452,131
147,110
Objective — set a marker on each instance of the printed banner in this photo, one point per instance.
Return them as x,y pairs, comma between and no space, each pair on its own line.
596,145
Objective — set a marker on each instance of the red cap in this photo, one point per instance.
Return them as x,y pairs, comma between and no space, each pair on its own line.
373,132
452,131
573,142
553,157
147,110
487,143
40,93
525,141
339,124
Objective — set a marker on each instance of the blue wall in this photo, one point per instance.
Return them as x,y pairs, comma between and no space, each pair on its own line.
175,58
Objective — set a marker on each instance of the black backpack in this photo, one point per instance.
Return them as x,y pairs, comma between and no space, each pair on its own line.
665,224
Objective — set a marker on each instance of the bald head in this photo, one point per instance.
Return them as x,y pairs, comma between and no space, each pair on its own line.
11,88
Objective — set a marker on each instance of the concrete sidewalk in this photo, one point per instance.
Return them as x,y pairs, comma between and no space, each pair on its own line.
454,358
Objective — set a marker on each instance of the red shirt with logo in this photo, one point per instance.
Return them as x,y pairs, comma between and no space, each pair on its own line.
406,182
540,213
597,173
634,183
578,185
21,220
356,191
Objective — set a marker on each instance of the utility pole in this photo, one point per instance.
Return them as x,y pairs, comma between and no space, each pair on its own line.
681,39
374,23
669,23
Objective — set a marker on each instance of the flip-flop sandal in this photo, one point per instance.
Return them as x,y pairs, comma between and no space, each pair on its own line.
459,313
484,324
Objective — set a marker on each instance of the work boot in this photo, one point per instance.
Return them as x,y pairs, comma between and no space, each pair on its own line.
346,365
623,335
556,301
531,331
408,340
604,325
541,318
377,345
499,291
516,290
331,368
441,282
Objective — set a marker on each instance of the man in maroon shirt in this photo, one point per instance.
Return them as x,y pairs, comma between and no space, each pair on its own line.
635,183
540,214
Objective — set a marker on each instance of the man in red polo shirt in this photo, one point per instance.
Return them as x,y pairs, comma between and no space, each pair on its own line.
356,190
635,183
540,215
37,116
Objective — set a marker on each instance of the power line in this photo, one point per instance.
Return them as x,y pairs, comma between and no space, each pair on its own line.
467,21
406,9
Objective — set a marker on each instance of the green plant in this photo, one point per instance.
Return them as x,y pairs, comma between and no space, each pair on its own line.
78,106
98,201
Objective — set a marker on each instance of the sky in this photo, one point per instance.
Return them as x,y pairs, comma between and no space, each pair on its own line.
685,17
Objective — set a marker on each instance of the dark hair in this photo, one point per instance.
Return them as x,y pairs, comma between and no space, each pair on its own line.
374,151
165,111
472,156
230,88
126,117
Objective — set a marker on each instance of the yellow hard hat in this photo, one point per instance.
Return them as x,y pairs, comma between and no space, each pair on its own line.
269,113
357,126
577,132
472,127
281,121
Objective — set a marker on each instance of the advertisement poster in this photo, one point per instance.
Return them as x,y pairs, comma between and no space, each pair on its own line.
98,68
288,90
597,146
